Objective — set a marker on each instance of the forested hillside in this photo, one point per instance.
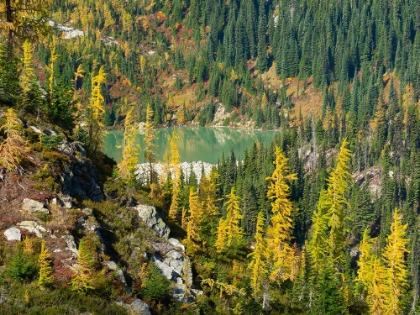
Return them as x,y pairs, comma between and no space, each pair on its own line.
324,220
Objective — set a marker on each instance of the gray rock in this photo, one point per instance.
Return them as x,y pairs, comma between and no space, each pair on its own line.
151,218
175,260
35,129
137,307
111,265
163,267
71,244
33,206
176,244
33,227
13,234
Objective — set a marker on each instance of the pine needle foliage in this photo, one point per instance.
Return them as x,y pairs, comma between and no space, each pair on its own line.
13,148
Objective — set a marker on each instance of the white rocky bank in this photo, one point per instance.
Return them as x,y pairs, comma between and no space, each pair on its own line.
143,170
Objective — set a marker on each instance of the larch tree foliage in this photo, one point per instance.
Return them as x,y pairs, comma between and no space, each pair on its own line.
95,111
45,269
395,268
259,260
22,20
208,196
365,263
131,148
229,231
336,198
82,280
193,221
14,146
318,246
149,137
176,177
27,73
279,232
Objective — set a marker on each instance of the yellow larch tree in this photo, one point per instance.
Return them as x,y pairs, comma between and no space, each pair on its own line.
336,194
234,233
376,293
176,177
395,267
131,148
365,262
193,221
259,259
149,137
45,269
27,74
208,194
318,245
221,236
51,68
82,280
279,232
14,146
96,109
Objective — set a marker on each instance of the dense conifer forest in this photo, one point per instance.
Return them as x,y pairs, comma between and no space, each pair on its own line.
324,220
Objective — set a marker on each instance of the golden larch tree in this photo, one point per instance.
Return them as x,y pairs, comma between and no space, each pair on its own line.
82,280
176,177
337,191
96,110
259,259
45,269
193,221
27,74
233,219
130,154
14,146
149,138
221,236
396,269
279,232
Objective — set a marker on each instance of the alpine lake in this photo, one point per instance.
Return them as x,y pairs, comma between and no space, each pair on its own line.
206,144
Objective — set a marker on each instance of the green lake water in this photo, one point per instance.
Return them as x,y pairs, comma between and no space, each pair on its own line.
195,143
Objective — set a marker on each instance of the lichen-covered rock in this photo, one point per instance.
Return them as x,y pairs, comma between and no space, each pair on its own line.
150,217
71,244
33,227
176,243
33,206
13,234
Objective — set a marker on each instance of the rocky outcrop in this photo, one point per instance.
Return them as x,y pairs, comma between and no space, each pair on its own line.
33,206
81,180
71,244
150,217
173,264
13,234
33,227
